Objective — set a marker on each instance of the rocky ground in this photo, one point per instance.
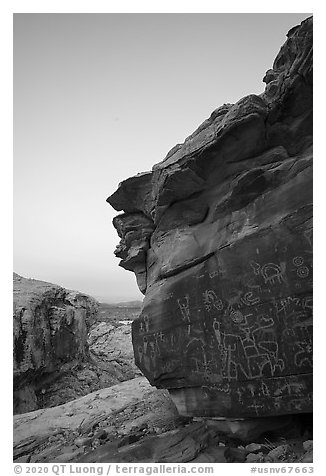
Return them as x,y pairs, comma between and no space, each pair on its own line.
66,344
134,422
99,408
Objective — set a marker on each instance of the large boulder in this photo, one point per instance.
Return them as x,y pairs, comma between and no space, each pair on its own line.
120,414
219,235
51,326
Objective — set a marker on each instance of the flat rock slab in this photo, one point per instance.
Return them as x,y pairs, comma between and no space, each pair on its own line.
32,430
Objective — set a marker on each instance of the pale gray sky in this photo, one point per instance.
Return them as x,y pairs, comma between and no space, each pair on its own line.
101,97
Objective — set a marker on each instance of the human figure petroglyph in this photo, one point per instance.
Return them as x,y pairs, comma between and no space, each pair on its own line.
239,393
144,323
197,352
183,304
147,321
216,329
236,357
251,389
145,344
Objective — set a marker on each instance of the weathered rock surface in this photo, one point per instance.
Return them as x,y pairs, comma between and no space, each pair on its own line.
62,350
51,325
111,350
109,361
121,414
134,422
219,235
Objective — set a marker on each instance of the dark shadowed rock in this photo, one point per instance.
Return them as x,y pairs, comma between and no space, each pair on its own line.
177,446
219,235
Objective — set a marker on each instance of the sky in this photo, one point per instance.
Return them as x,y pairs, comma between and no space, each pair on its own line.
101,97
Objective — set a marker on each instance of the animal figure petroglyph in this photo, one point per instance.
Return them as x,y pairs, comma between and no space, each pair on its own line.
271,272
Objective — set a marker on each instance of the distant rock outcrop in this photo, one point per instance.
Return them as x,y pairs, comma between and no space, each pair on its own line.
219,235
51,326
63,348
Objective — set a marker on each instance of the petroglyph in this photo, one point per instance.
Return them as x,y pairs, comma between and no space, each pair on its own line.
256,267
265,390
307,302
237,316
184,308
303,272
144,323
257,407
271,272
298,261
293,303
250,300
289,388
239,393
212,301
304,355
216,329
243,299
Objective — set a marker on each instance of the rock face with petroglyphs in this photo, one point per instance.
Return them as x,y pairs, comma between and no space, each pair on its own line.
219,235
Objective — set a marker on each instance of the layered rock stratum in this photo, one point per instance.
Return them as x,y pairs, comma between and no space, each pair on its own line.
63,348
219,236
51,326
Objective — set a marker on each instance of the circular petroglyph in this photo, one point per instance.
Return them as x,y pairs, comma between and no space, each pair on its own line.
237,316
303,272
297,261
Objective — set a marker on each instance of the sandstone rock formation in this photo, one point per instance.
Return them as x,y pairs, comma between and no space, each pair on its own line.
51,325
134,422
120,414
62,349
109,360
219,235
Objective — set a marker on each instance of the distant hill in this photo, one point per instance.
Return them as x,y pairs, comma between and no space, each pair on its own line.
125,304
